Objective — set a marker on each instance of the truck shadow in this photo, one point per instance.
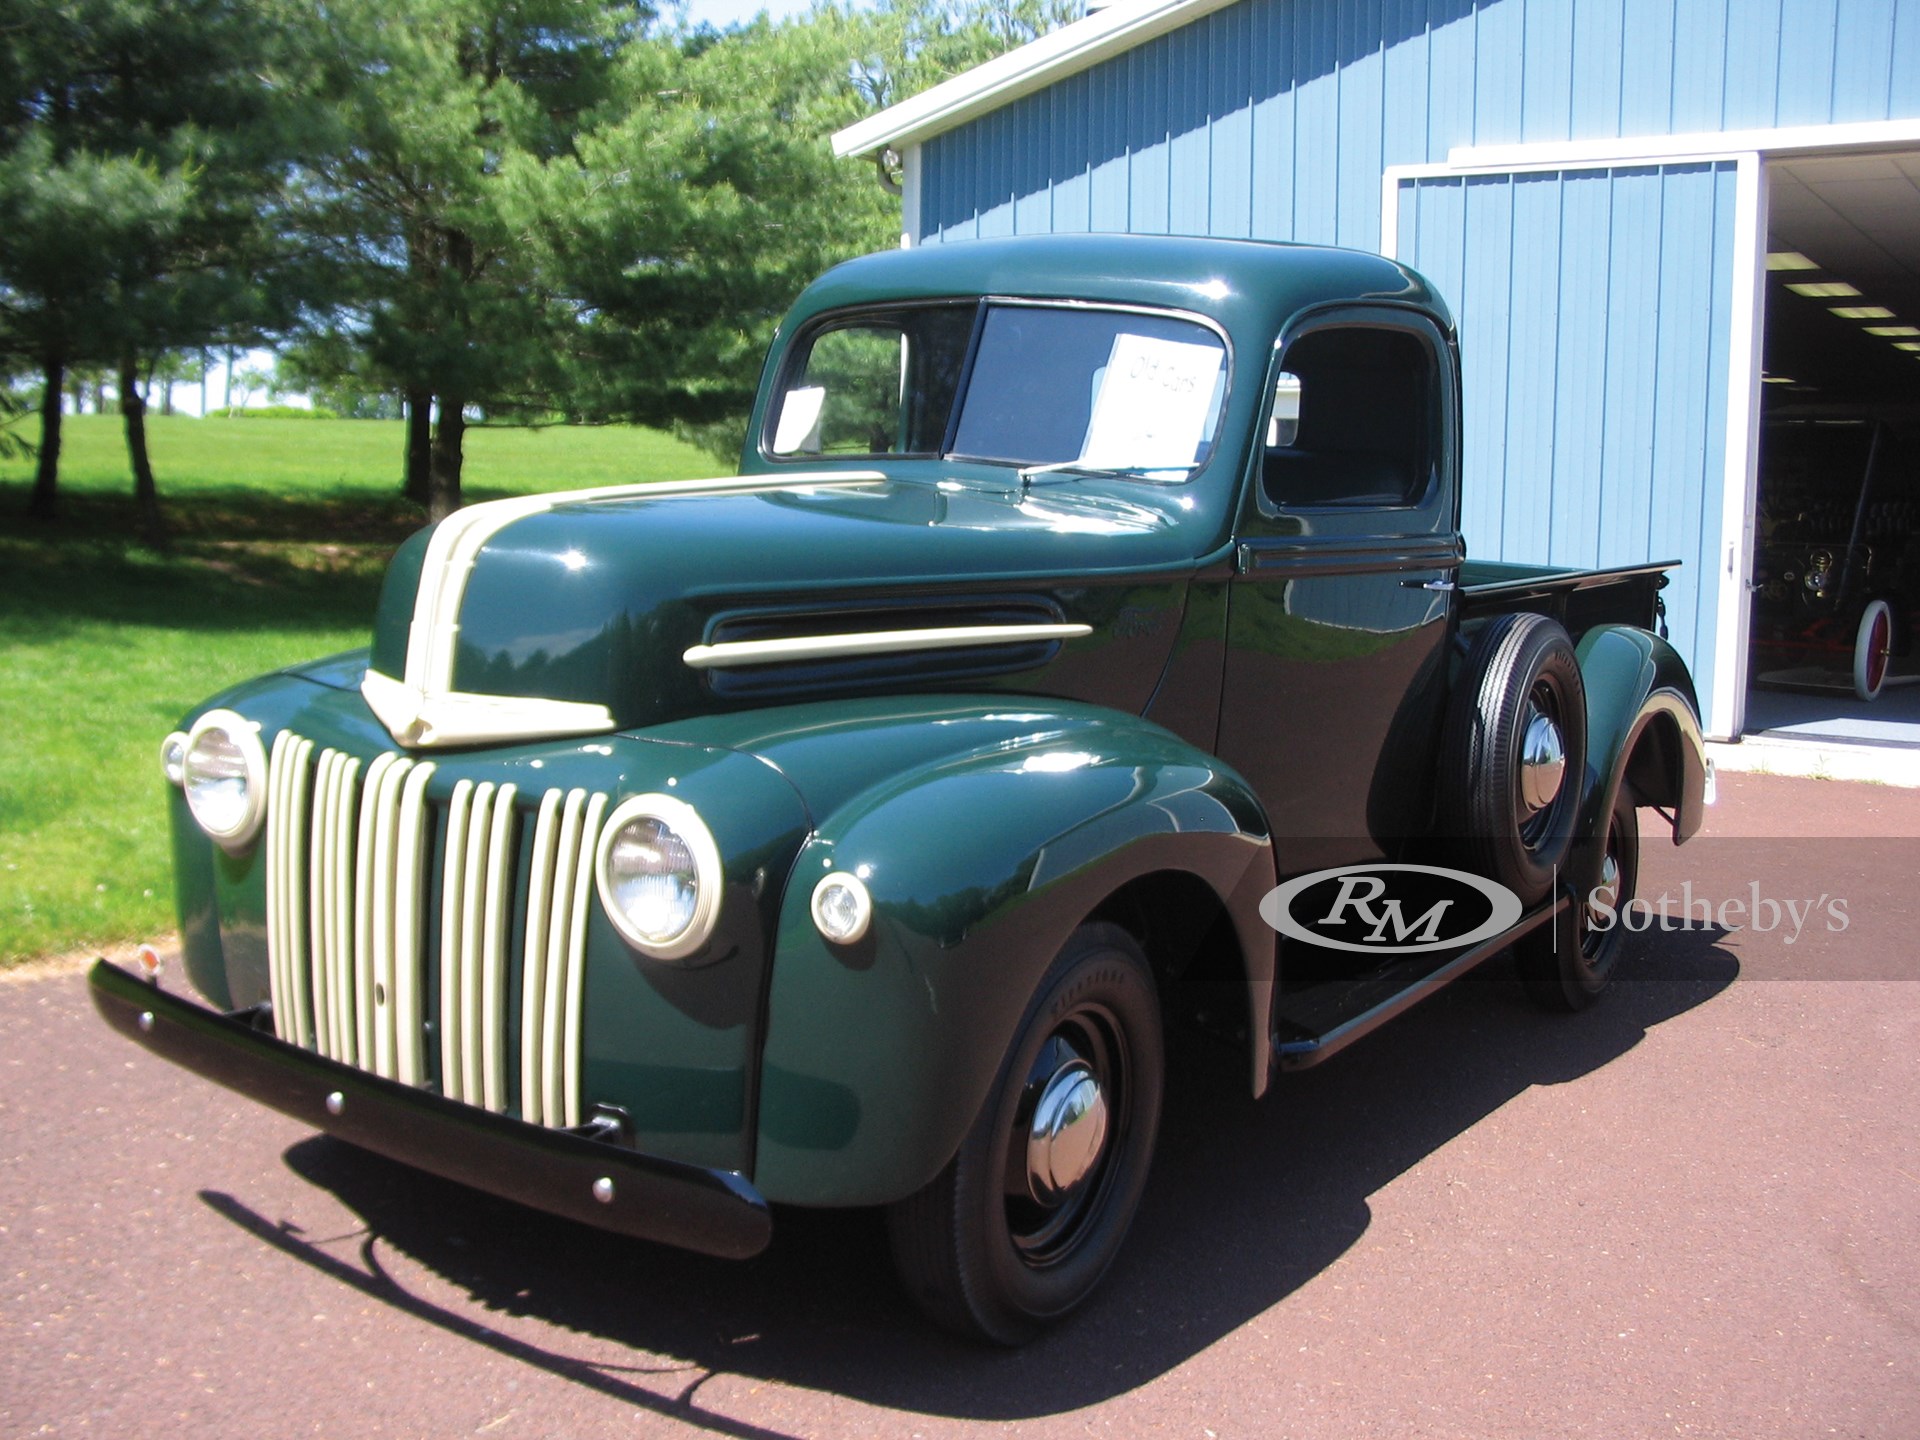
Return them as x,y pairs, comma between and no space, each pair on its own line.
1249,1201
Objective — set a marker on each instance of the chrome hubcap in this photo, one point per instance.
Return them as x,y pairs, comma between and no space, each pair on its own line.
1067,1134
1605,897
1543,762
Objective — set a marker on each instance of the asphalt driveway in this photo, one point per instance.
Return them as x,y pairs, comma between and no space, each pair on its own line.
1693,1210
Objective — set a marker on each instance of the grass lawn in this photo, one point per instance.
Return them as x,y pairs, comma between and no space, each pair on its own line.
281,529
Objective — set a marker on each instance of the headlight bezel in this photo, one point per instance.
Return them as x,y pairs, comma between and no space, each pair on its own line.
244,735
862,898
685,822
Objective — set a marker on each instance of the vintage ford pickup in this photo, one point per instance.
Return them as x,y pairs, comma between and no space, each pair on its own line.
1087,647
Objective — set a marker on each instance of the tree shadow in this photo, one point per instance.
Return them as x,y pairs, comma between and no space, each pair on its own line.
1249,1201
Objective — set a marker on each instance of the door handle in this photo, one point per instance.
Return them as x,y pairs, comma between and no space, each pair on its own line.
1445,587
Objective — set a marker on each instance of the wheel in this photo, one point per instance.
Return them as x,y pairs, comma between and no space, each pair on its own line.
1567,963
1513,751
1872,644
1023,1222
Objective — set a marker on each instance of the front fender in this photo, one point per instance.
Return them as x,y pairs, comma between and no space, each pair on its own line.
1643,726
981,863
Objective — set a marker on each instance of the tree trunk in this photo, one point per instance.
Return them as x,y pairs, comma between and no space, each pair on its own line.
133,409
100,397
166,397
46,475
444,472
79,395
231,352
416,478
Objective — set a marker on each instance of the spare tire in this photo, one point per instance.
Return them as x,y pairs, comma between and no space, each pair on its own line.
1513,755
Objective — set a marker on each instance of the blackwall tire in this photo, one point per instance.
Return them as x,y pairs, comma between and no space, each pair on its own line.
975,1249
1521,669
1566,964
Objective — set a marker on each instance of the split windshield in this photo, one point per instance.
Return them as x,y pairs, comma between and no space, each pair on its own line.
1070,387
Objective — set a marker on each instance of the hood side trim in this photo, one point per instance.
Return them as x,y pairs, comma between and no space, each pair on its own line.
871,642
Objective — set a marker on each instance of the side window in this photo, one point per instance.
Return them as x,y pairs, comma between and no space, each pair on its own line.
883,384
1352,420
848,399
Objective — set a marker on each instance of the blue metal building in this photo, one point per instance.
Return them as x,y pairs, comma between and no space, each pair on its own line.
1589,182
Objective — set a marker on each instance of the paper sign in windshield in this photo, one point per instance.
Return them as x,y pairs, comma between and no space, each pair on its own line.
1154,403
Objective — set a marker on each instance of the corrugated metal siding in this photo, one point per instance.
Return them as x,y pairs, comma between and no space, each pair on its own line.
1594,330
1275,118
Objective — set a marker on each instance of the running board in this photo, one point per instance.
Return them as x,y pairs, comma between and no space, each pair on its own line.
1303,1054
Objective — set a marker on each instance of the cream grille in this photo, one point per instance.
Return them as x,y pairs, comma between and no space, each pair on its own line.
350,901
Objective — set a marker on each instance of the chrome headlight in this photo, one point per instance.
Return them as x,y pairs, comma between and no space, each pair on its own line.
658,872
224,772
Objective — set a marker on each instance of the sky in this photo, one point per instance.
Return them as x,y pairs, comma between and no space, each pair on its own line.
722,13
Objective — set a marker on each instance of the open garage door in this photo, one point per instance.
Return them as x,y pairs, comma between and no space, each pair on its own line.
1837,569
1598,321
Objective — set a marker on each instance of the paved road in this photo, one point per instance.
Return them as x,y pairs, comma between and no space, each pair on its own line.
1694,1210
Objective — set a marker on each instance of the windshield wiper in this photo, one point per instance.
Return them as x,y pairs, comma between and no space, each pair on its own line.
1081,467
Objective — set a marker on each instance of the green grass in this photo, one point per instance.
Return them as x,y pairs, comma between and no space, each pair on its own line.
280,531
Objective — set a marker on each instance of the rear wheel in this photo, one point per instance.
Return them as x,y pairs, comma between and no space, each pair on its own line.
1566,963
1513,754
1023,1222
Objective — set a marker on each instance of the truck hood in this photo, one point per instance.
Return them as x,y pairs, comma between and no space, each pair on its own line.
591,611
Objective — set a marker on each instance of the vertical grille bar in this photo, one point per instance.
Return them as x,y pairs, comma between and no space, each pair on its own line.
340,822
473,930
493,952
566,862
453,898
409,914
277,982
576,965
533,986
365,909
318,908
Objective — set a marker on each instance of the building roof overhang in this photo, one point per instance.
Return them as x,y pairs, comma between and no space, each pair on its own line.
1034,66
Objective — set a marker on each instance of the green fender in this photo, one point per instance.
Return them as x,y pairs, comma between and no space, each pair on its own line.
1643,727
981,863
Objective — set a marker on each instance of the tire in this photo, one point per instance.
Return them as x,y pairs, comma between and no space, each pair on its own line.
979,1250
1520,668
1566,965
1872,644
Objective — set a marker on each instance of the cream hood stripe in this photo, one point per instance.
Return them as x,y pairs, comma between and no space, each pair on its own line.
457,543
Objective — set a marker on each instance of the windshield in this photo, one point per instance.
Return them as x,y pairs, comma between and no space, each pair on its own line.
1028,385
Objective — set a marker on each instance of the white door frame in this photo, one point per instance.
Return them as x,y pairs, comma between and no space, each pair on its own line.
1750,150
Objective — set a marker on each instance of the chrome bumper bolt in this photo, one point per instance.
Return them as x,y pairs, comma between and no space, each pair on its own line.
603,1190
336,1102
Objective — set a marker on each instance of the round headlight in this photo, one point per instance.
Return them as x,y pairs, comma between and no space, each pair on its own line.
173,757
224,772
658,872
842,907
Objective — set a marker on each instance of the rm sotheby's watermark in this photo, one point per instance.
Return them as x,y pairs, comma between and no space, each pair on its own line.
1755,911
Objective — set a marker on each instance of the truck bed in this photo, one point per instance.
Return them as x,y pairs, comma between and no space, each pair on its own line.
1578,599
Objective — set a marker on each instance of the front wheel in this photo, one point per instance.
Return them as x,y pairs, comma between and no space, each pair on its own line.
1566,963
1023,1222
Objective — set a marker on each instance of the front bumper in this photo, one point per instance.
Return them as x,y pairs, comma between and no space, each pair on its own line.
596,1182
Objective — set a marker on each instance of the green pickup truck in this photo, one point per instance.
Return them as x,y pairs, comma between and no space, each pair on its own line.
1086,649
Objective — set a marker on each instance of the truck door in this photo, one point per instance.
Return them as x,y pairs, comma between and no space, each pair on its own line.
1349,541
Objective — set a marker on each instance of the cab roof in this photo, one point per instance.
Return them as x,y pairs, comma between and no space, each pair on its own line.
1250,287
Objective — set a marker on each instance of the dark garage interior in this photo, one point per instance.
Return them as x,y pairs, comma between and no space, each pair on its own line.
1836,591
